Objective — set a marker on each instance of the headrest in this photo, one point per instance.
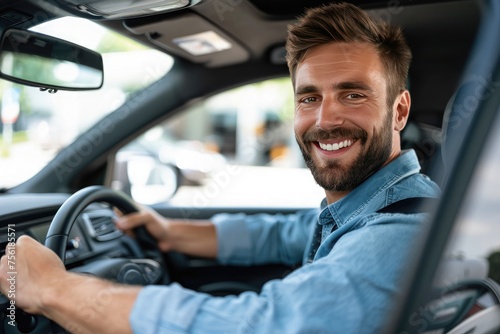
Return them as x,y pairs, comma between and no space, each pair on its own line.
458,116
475,86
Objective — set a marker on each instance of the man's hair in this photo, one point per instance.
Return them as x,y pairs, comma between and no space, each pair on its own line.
343,22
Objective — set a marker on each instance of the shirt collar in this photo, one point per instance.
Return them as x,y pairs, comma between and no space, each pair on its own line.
358,199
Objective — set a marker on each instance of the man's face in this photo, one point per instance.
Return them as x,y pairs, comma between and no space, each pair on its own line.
343,125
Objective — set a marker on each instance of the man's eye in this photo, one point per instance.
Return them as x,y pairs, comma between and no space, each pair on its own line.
353,96
308,100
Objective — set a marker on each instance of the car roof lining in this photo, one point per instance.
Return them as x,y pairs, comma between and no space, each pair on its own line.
294,8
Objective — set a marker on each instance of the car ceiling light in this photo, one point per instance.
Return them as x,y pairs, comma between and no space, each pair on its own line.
129,8
203,43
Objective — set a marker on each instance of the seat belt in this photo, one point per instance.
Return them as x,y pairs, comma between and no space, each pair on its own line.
409,205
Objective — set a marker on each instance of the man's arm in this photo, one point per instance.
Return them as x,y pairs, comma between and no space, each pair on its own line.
85,304
231,238
79,303
350,290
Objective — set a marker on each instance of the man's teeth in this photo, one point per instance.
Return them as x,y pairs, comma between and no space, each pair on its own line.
336,146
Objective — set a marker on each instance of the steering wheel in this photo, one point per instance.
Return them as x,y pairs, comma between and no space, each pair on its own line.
128,271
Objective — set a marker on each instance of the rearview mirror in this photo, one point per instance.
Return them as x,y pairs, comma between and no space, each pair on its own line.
34,59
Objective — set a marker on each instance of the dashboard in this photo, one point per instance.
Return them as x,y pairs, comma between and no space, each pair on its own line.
95,246
93,235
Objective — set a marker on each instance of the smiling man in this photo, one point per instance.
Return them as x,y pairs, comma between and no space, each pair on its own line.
343,123
349,74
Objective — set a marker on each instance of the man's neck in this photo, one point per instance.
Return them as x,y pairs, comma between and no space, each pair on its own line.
334,196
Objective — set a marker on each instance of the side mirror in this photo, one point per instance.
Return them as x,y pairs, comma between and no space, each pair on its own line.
144,178
38,60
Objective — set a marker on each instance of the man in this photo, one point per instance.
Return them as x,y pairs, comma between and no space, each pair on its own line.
349,73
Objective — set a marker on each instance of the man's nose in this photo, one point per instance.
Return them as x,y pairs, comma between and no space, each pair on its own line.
329,115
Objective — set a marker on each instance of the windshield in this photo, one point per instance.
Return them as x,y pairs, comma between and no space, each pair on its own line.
36,125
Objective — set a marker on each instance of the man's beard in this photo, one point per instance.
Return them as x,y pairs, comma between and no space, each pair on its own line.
338,177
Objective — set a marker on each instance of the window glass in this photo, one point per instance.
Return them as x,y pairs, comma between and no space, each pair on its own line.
473,250
35,125
475,240
234,149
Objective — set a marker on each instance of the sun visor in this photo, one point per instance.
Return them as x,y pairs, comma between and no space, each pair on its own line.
192,37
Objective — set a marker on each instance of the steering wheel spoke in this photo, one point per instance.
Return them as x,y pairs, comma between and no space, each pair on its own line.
126,271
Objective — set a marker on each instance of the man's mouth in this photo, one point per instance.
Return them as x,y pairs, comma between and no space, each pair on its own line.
335,146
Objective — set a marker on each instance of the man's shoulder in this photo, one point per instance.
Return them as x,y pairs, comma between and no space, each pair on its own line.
415,185
407,196
412,197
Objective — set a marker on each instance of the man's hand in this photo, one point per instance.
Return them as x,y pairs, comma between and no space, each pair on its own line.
37,267
193,237
79,303
154,223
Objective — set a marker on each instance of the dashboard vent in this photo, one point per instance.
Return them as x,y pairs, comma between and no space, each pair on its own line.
100,225
3,245
3,241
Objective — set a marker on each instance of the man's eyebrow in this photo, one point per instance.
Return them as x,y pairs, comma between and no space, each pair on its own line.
344,85
306,89
347,85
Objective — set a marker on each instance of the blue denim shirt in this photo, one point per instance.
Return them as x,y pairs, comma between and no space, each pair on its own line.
348,288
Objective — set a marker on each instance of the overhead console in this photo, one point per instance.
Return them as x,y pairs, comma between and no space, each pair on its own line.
191,36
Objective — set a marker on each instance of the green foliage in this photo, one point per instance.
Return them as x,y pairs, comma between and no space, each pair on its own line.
283,90
113,42
494,261
17,137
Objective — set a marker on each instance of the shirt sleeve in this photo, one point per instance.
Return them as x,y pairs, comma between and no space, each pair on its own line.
263,238
350,290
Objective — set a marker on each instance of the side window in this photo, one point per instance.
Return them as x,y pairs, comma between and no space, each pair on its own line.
475,244
464,301
236,148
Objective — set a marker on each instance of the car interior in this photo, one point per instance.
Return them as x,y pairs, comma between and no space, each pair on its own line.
219,45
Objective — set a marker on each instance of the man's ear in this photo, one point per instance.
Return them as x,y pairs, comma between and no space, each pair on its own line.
401,109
